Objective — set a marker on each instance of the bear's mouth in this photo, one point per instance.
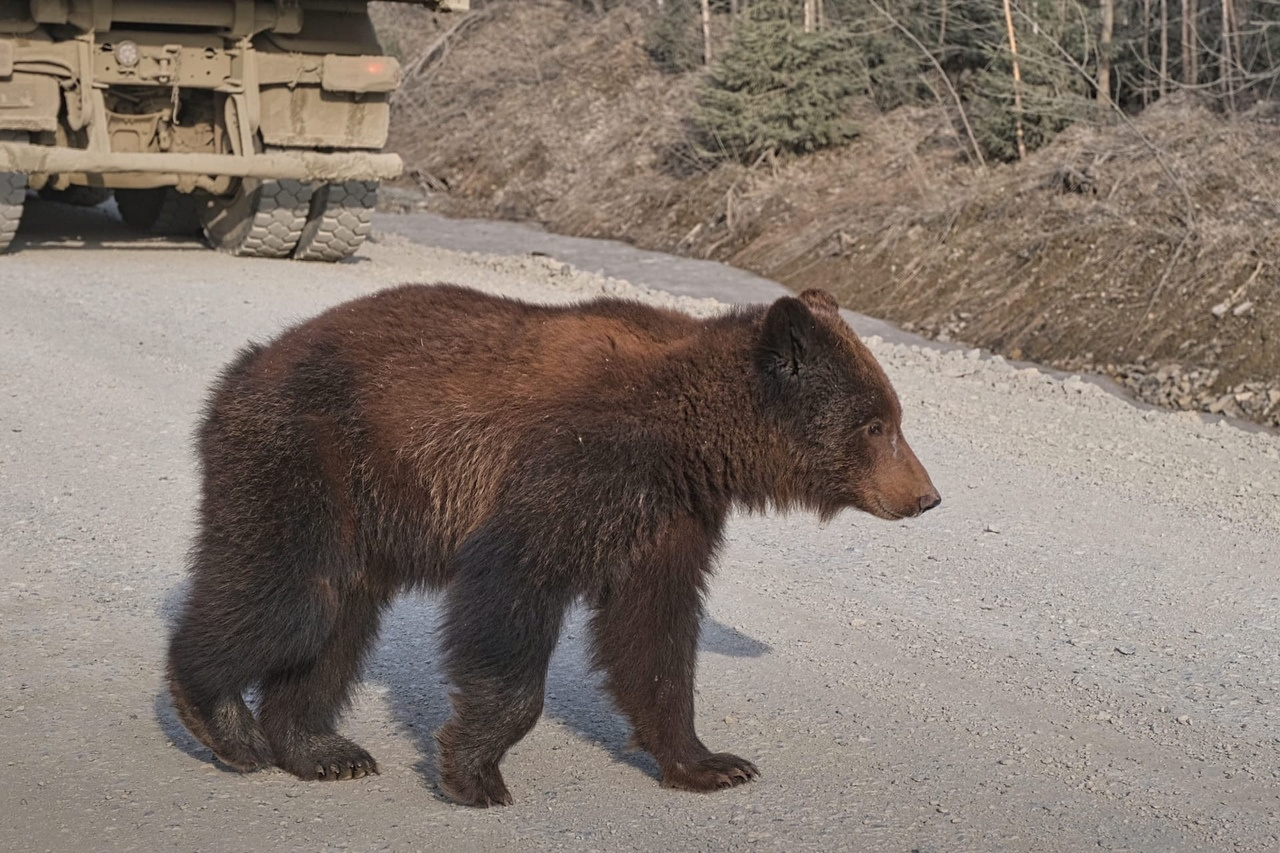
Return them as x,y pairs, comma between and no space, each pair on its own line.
887,514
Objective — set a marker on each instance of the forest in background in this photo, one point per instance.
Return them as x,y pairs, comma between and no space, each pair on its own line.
1013,73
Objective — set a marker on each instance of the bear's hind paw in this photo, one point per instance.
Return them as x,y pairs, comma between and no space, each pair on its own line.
482,791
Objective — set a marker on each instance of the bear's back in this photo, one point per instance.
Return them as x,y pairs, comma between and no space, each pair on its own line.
445,349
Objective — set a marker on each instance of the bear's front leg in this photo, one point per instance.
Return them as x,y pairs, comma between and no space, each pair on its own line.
646,641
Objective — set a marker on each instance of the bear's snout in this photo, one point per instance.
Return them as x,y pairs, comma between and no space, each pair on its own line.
900,486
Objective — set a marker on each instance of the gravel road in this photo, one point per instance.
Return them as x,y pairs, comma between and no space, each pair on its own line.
1078,649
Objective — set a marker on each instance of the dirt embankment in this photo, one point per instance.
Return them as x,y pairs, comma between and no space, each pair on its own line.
1145,249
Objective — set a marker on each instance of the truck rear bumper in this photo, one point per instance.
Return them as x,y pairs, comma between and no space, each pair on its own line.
284,165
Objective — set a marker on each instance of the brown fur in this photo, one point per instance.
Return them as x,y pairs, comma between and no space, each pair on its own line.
517,457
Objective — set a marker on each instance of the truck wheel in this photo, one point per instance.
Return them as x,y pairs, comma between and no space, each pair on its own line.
262,219
13,191
162,211
339,220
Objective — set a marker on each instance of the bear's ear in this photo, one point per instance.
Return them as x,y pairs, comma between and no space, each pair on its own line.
788,337
820,302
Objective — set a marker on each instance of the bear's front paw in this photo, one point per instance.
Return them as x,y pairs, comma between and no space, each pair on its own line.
329,758
719,770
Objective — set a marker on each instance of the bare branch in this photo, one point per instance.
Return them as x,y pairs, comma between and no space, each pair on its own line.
1156,151
964,117
441,44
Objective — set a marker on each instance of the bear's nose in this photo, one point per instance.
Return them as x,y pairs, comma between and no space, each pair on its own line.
929,501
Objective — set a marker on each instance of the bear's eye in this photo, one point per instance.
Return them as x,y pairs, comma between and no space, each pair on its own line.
876,428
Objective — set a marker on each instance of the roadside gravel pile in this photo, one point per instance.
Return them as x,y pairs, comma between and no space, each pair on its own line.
1176,386
539,277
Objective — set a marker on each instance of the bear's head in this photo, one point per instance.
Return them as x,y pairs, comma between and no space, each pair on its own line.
840,416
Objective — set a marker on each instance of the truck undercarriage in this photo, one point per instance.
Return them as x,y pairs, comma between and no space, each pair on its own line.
259,122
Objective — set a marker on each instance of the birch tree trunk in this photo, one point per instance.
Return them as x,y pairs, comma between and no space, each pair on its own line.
1104,56
1226,75
1017,83
706,32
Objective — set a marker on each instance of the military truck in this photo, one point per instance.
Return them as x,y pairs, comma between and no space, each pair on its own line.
258,122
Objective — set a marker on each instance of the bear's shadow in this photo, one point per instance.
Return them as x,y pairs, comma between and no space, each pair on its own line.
405,662
417,689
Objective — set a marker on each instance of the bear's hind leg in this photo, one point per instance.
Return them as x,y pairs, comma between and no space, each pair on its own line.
210,664
222,722
299,706
500,632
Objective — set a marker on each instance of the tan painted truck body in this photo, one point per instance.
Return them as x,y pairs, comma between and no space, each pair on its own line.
242,110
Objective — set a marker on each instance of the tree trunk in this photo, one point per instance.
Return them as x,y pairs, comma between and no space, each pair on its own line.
1146,52
1226,75
808,16
1190,42
706,32
942,26
1017,83
1164,47
1104,56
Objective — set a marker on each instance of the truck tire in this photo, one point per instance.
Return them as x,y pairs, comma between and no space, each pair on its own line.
13,192
162,211
339,220
262,219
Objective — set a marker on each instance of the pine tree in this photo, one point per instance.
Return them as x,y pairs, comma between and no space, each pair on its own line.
779,89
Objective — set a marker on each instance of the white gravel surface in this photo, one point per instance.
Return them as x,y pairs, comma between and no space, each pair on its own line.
1078,650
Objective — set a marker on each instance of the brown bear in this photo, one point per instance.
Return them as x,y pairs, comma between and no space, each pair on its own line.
517,458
